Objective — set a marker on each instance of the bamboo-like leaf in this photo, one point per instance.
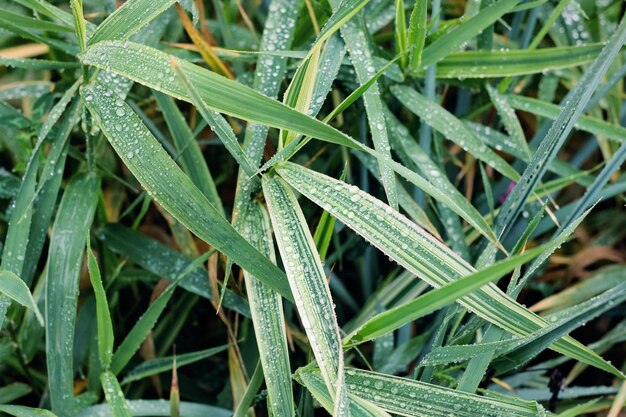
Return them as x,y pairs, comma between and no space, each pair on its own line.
105,326
401,35
552,111
407,397
361,56
13,287
23,411
420,253
65,256
160,408
417,34
114,395
128,19
509,119
559,131
151,67
453,39
315,384
308,283
507,63
158,365
452,128
268,318
150,164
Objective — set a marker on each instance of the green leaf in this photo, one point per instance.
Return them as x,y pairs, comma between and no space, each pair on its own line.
417,34
114,396
105,326
507,63
128,19
150,164
65,256
189,153
13,287
160,408
166,262
22,411
453,39
152,67
451,128
217,122
268,318
397,317
144,325
158,365
308,284
407,397
414,249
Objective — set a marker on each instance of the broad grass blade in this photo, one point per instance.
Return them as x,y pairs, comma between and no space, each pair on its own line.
147,160
65,256
308,283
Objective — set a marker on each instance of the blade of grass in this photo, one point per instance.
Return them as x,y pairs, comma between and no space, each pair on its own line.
147,160
13,287
420,253
308,283
65,255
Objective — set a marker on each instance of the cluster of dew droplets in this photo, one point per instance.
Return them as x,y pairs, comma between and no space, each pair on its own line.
574,24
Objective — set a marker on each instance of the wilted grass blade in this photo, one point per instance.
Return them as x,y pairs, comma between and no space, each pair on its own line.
147,160
65,257
308,282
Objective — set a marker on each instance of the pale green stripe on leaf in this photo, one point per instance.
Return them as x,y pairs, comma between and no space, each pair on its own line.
152,68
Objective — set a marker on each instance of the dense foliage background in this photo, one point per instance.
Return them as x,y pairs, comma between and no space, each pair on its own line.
303,207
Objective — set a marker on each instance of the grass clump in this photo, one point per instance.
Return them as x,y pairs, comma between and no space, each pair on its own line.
282,207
